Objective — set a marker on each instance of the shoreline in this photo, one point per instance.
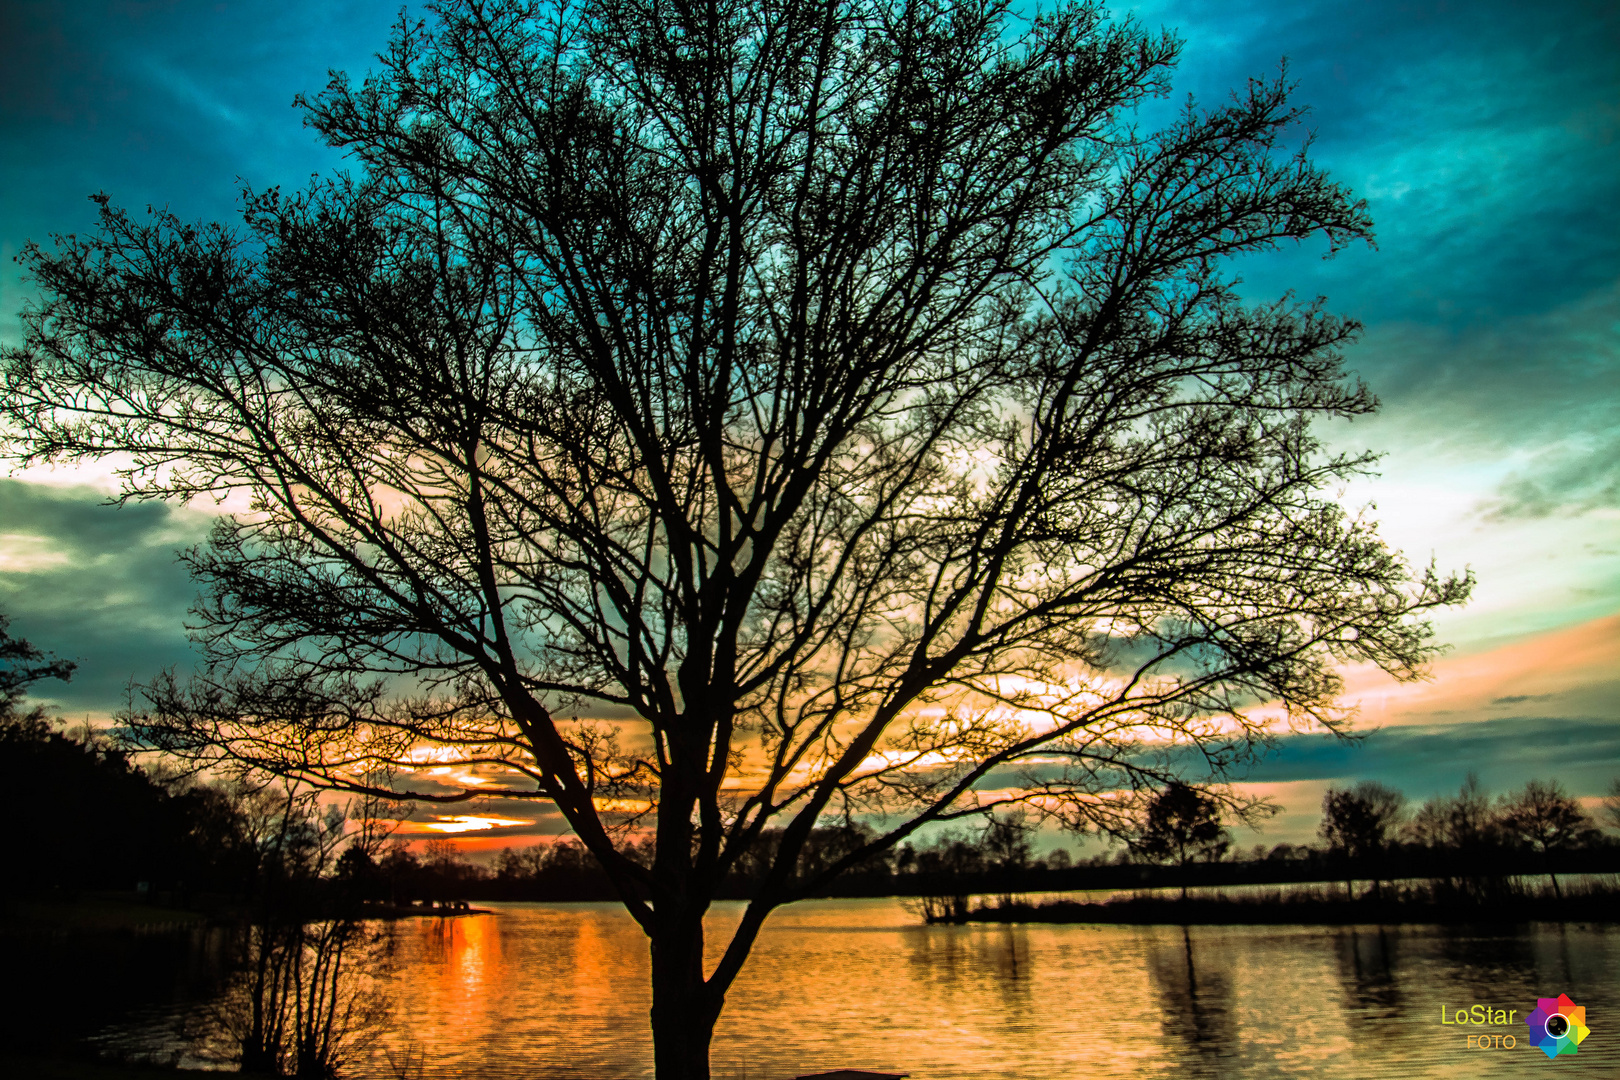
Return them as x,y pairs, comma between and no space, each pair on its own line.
75,1063
1220,911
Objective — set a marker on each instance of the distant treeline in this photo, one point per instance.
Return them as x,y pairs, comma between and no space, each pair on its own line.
1469,847
1463,858
93,820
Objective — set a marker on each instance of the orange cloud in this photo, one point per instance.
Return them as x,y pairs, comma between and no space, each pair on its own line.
1571,670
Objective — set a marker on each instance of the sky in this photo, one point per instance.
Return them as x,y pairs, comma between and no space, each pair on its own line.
1485,137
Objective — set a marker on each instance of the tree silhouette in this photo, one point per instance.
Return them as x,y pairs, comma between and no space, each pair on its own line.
1463,829
1007,848
1543,818
1006,841
1357,823
717,419
21,665
1182,824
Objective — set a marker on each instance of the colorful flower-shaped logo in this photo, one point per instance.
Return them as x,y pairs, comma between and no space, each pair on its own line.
1558,1025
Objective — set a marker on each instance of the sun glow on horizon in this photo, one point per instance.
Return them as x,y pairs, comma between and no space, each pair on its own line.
460,823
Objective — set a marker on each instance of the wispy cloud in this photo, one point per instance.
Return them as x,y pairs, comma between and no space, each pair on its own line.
97,584
1573,671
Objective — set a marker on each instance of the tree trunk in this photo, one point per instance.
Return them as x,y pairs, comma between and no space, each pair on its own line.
684,1009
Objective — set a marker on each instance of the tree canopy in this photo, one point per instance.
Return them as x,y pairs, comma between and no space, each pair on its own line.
1545,819
1358,822
21,665
711,419
1182,824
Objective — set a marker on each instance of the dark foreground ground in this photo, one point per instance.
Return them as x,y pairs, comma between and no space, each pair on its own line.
66,1065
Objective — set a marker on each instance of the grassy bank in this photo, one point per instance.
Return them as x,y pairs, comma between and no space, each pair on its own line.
1323,907
94,914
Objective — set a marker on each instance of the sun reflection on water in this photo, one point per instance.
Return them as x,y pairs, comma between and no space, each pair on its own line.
543,992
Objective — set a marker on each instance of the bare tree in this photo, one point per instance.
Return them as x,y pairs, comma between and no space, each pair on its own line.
1181,824
1358,823
1461,833
308,993
948,867
1544,819
21,665
1007,847
1006,841
717,418
1611,804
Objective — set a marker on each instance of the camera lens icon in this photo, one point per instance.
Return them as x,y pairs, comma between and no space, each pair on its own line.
1557,1026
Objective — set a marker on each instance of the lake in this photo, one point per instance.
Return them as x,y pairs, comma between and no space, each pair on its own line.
553,991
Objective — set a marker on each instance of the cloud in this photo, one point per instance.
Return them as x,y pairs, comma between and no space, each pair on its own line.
1572,671
1583,752
488,824
96,584
169,104
1481,134
1423,738
1484,138
1566,479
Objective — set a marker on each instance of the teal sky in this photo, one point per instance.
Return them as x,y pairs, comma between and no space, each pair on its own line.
1485,137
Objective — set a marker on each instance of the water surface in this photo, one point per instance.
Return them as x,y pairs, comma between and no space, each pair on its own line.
552,991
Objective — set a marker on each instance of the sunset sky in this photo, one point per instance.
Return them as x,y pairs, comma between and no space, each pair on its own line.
1484,135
